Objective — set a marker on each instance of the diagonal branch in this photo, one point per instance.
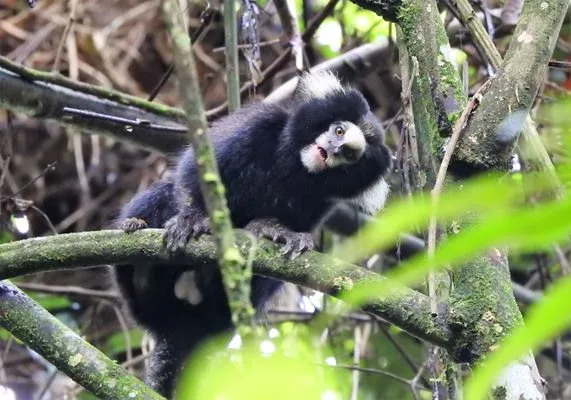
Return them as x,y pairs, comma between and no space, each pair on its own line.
45,95
58,344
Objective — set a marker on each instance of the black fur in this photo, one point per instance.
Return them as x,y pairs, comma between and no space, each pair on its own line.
258,154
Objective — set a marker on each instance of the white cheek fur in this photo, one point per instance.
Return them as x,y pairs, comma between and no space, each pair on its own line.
372,200
309,160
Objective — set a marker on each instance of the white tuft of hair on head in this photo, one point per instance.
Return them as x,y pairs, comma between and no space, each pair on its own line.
319,85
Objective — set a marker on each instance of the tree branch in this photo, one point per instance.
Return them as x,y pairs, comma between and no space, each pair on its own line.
45,95
231,52
482,305
489,138
58,344
534,149
236,274
404,307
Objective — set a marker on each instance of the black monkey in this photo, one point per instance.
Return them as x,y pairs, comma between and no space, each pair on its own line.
283,166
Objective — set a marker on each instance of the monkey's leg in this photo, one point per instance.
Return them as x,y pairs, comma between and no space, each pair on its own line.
293,243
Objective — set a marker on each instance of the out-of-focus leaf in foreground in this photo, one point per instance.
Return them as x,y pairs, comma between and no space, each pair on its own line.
258,370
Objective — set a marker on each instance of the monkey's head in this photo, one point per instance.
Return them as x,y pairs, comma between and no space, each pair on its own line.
334,128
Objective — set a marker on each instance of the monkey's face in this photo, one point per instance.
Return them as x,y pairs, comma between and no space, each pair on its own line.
343,143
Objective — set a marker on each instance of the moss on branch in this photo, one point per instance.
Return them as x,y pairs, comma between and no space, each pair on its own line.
406,308
490,136
45,95
58,344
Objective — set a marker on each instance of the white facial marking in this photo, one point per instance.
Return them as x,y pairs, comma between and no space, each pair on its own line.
318,85
373,199
311,159
186,288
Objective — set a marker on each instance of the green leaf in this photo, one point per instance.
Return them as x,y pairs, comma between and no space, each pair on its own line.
249,374
117,343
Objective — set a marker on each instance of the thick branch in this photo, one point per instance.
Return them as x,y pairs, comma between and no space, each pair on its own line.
482,307
54,341
45,95
494,128
404,307
533,149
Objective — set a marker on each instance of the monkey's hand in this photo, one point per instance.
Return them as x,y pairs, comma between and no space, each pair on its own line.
182,227
130,225
292,243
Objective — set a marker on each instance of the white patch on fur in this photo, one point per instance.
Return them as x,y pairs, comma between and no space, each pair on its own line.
313,162
310,159
318,85
186,288
372,200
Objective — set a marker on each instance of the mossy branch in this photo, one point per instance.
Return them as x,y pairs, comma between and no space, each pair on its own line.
37,328
482,307
236,274
46,95
490,136
406,308
534,149
438,98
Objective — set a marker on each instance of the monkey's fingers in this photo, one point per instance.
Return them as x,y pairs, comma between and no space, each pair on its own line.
304,242
176,235
180,229
131,225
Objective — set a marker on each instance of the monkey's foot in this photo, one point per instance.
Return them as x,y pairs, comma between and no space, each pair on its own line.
292,243
131,225
181,228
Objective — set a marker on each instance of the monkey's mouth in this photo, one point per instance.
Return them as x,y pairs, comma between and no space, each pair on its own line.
322,153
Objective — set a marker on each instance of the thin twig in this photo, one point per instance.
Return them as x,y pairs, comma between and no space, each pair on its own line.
206,17
69,290
67,30
50,167
231,44
440,177
282,59
356,360
286,13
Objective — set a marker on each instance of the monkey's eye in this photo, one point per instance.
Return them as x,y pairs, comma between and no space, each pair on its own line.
339,131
